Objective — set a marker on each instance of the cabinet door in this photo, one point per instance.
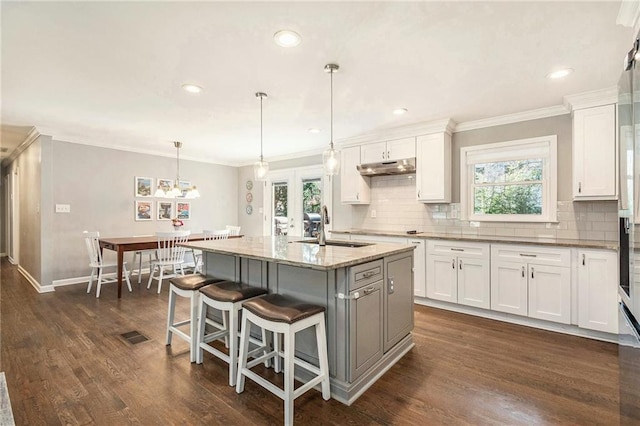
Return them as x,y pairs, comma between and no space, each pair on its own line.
473,282
401,148
365,329
419,267
433,168
594,153
442,278
398,299
373,152
550,293
598,290
509,287
354,188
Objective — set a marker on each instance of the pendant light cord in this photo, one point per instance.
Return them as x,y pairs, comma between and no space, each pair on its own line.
261,158
178,163
331,108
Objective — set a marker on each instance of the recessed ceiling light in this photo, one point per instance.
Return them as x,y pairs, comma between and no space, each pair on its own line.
560,73
191,88
287,38
314,130
400,111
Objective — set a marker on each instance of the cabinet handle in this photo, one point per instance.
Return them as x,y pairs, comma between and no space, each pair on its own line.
369,274
453,263
456,249
460,264
528,255
418,193
388,155
583,260
368,290
579,187
357,195
391,284
523,272
532,270
383,155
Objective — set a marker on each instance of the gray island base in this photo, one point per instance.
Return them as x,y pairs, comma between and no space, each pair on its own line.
367,292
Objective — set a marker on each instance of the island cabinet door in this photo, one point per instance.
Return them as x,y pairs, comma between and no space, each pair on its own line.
398,299
365,328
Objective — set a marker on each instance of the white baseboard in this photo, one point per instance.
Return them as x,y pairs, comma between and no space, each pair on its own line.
85,279
34,283
11,260
573,330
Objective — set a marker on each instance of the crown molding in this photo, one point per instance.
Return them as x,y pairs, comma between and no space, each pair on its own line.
410,130
512,118
591,99
32,136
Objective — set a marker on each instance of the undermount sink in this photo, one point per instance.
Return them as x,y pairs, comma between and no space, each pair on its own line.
338,243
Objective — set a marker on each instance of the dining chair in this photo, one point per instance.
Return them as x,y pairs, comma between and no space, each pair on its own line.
138,256
208,235
92,241
170,255
233,230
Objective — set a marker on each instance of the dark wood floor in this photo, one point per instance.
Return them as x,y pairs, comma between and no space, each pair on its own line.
66,363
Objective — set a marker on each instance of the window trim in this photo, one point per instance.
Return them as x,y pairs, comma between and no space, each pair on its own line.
494,152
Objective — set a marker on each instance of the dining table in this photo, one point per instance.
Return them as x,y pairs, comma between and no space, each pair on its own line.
125,244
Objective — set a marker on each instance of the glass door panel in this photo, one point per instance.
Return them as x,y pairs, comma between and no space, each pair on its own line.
280,208
311,204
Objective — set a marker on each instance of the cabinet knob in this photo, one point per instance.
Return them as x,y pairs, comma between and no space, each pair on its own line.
579,187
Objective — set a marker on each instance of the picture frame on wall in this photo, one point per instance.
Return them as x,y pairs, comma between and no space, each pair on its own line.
165,184
144,186
143,210
183,210
165,210
184,185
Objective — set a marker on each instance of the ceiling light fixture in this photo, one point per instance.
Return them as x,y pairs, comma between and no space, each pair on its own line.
331,156
400,111
260,168
177,190
191,88
560,73
287,38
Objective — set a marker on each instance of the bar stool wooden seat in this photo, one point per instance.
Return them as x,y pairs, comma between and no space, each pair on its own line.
186,286
227,297
283,315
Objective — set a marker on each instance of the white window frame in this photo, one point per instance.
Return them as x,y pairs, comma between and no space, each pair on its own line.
545,147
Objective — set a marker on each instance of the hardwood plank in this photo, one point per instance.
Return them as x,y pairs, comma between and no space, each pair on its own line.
65,363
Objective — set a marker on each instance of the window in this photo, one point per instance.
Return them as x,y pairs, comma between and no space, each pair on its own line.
510,181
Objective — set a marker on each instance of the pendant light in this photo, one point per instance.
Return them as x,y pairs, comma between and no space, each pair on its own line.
260,168
176,191
331,156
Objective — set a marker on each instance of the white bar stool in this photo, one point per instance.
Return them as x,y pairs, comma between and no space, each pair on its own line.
186,286
227,297
280,314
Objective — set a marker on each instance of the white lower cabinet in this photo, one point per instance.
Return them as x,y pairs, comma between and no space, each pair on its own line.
458,272
531,281
598,290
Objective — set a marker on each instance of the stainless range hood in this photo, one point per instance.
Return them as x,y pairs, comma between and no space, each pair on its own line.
398,167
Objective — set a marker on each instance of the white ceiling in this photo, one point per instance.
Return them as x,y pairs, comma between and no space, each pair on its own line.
109,73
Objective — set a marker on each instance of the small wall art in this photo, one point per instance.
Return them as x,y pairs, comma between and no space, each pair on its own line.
165,184
144,210
184,185
165,210
183,210
144,186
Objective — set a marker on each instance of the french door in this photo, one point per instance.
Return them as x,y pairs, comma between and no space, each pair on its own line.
293,200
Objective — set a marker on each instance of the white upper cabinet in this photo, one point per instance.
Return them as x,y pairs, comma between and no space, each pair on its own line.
388,151
354,188
595,171
433,168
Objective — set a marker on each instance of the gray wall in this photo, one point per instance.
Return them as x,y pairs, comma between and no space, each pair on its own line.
559,125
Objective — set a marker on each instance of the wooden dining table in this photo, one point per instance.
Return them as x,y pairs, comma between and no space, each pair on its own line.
124,244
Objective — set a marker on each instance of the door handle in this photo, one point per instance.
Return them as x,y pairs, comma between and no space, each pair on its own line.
369,290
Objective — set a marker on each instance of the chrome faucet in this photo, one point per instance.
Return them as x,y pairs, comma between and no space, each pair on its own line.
324,219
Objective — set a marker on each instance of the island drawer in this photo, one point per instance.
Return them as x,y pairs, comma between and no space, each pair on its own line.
365,274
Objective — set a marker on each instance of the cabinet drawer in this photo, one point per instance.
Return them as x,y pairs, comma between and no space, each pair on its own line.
531,254
474,250
365,274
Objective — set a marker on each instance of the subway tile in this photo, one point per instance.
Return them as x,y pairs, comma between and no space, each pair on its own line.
570,234
595,217
505,232
524,232
604,226
611,236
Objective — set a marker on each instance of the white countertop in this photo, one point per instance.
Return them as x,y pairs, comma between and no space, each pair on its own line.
288,250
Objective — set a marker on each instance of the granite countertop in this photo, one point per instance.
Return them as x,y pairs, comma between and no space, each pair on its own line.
558,242
290,251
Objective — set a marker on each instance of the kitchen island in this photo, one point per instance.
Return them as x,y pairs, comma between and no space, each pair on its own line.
367,290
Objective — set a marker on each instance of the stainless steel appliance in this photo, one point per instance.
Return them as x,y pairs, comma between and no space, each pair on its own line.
629,232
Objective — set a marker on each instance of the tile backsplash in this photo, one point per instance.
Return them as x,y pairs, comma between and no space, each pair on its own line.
393,202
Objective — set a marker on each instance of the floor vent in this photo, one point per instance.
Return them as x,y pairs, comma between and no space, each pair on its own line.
134,337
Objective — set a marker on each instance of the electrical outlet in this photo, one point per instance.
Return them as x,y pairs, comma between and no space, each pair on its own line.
374,213
63,208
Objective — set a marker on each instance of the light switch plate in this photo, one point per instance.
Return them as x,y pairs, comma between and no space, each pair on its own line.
63,208
374,213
